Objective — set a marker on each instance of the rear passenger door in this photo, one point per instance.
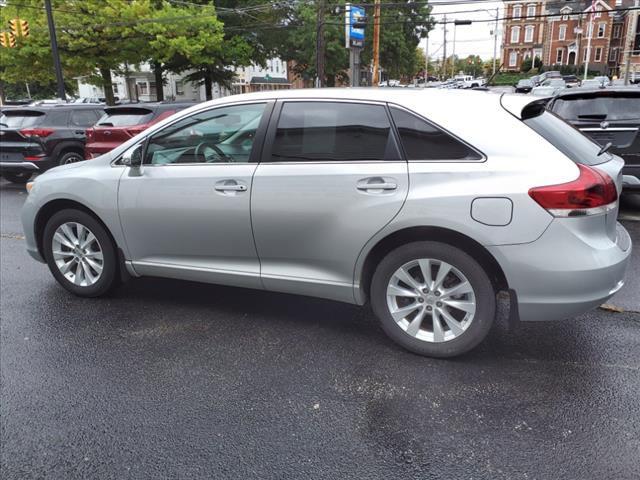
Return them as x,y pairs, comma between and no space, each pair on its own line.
331,176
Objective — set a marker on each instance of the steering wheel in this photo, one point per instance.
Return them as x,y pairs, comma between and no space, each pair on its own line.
200,150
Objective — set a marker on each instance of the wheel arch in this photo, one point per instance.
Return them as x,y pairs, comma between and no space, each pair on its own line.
437,234
66,147
51,208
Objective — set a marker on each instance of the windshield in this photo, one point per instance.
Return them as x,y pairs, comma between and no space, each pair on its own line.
125,117
20,119
599,108
567,139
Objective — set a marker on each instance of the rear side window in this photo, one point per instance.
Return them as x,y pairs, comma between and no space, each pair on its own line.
424,141
21,119
567,139
617,108
125,117
83,118
333,131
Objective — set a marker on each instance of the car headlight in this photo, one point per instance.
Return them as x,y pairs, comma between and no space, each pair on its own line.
30,186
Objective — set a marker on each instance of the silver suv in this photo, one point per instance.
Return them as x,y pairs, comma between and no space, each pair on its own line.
426,204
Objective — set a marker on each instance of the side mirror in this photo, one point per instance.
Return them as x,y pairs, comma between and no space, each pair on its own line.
132,157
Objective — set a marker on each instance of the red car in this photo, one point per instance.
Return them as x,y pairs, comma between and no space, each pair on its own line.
120,123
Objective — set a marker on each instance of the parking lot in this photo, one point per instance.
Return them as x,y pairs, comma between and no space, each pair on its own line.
169,379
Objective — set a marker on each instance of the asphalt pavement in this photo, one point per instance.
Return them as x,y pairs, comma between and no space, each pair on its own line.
168,379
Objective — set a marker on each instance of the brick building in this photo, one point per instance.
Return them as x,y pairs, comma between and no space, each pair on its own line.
572,33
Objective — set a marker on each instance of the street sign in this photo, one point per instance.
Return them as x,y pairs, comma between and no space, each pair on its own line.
354,33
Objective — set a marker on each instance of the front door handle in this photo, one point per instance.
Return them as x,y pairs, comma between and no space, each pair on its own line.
376,184
230,186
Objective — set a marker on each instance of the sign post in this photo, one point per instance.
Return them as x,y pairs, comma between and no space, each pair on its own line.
354,39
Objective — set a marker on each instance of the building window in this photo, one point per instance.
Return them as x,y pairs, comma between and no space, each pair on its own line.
513,58
143,88
565,12
528,33
602,27
613,55
598,57
531,11
562,32
617,30
517,12
636,42
598,12
515,34
559,55
179,87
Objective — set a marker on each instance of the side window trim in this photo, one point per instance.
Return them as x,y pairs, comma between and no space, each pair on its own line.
270,136
442,129
255,152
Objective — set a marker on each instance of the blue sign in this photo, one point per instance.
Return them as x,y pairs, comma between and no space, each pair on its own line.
355,36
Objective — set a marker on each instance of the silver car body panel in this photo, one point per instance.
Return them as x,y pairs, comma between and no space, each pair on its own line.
307,228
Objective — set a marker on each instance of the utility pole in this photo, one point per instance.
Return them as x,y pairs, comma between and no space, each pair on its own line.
426,57
54,51
590,33
444,51
629,52
453,53
376,43
320,44
495,41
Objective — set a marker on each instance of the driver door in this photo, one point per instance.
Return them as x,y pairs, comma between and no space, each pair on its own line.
185,212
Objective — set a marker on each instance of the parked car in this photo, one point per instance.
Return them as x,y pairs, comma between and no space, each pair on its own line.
120,123
524,85
34,139
412,200
571,81
592,83
610,115
548,75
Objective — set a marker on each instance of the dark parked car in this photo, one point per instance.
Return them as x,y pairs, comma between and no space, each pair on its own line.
34,139
609,115
120,123
524,86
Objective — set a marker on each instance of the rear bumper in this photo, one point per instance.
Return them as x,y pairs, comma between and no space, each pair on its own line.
566,272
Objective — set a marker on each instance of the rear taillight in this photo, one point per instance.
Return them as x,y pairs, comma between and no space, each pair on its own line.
133,131
88,133
36,132
593,192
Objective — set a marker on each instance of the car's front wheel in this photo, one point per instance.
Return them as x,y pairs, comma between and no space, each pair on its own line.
433,299
80,253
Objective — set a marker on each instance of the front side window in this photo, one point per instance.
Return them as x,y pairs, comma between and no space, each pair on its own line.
333,131
221,135
424,141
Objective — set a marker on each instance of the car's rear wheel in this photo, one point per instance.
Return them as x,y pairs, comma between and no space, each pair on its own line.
80,253
433,299
21,177
70,157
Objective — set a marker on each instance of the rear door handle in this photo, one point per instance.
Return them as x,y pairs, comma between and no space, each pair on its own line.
230,186
376,183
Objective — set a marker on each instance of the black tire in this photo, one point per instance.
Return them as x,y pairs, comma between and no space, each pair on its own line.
70,157
19,178
109,277
485,298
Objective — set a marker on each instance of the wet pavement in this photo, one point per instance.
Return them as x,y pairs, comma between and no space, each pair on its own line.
168,379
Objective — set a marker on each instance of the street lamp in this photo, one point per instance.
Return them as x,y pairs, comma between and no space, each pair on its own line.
453,55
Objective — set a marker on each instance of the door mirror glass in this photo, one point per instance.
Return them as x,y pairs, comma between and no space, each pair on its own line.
133,156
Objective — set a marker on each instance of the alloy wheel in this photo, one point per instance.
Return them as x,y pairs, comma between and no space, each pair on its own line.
431,300
77,254
73,158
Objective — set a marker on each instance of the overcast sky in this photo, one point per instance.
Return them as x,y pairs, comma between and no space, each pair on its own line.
474,39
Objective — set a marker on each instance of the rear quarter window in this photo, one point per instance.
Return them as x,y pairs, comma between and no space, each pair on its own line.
569,140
